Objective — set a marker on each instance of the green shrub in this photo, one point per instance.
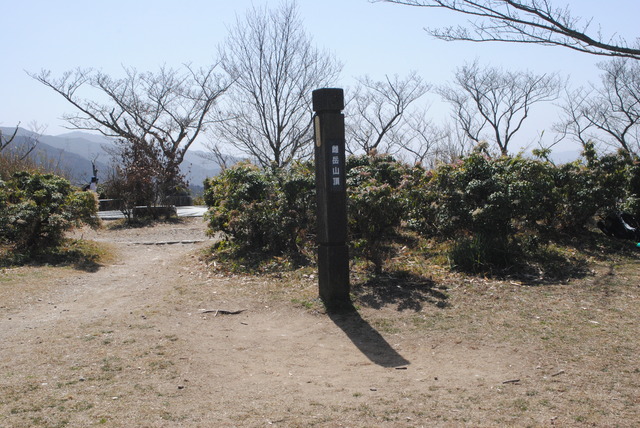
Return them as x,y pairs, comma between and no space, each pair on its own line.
485,206
599,185
471,203
268,213
273,212
37,209
507,195
532,196
377,188
471,195
631,203
4,215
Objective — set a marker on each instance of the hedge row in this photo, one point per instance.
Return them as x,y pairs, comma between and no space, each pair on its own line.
484,204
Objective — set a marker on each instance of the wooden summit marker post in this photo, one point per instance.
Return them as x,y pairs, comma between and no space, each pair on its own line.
331,191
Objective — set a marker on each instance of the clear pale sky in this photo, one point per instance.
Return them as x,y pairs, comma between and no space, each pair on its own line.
368,38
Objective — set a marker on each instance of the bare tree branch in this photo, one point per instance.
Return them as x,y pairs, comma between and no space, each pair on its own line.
525,21
424,141
26,142
6,140
574,123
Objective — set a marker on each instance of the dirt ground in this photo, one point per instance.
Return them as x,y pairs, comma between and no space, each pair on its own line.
152,339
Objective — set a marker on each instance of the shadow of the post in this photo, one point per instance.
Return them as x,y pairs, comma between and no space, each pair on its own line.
366,338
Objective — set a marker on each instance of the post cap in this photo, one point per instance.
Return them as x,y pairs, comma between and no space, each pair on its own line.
328,99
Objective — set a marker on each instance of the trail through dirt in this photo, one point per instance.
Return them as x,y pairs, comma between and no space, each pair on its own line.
152,340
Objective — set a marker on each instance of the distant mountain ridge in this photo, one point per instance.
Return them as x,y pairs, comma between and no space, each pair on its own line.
73,152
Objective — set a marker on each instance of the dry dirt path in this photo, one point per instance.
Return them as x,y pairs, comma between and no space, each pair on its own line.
129,345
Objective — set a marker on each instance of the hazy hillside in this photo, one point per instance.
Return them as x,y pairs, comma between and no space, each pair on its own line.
73,152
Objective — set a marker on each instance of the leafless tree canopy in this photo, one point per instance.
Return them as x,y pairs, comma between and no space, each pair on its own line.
492,104
573,122
378,114
276,68
525,21
609,112
164,111
452,145
426,143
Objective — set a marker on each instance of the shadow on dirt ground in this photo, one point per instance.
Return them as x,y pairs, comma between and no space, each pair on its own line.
367,339
402,288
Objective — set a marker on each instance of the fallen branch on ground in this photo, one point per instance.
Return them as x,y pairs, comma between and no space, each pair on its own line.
221,311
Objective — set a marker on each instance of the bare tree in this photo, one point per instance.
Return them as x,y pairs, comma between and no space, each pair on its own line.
423,141
492,104
614,106
455,145
525,21
217,155
160,113
379,115
574,123
28,141
276,67
131,180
